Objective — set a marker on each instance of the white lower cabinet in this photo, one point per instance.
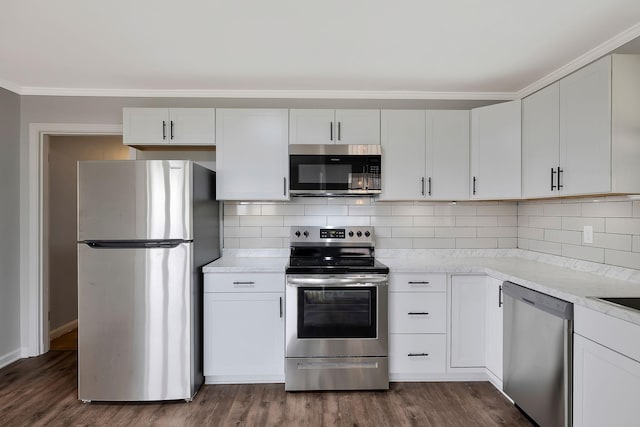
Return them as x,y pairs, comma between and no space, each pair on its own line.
244,331
606,370
493,329
417,326
468,294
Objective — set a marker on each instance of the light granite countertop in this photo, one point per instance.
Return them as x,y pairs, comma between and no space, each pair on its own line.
568,279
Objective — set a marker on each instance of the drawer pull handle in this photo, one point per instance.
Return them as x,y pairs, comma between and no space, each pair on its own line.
244,283
418,283
417,354
418,313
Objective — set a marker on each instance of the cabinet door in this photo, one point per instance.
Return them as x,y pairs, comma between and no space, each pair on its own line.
252,154
192,126
605,386
145,126
312,127
467,321
403,161
585,129
411,354
541,142
357,127
447,154
495,151
493,318
243,337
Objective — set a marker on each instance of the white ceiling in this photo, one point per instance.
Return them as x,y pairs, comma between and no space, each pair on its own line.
491,49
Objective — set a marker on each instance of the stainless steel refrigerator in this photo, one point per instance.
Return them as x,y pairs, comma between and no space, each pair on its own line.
145,229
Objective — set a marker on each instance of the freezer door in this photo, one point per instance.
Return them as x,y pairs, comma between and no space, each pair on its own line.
134,200
135,334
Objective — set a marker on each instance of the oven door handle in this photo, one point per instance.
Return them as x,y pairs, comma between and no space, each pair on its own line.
335,281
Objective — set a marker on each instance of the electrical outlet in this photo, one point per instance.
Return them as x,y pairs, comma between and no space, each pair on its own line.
587,234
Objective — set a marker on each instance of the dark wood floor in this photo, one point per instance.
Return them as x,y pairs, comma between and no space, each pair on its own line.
42,392
68,341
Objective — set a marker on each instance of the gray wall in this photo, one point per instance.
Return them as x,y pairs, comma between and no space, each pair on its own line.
9,224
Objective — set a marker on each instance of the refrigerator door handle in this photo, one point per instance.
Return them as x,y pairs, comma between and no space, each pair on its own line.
133,244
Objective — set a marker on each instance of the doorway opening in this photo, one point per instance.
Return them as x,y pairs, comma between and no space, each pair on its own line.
60,154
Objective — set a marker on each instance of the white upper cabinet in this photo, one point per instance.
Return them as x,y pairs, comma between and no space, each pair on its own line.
447,154
580,134
162,126
252,154
541,142
425,155
403,136
334,126
495,151
585,130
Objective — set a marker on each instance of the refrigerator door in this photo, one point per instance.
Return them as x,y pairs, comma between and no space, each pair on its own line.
134,200
136,307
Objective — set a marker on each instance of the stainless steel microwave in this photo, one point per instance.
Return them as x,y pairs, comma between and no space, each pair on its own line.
334,170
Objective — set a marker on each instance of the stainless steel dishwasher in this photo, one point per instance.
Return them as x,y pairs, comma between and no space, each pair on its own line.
538,352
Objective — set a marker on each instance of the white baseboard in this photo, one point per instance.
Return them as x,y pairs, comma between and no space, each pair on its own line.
10,357
64,329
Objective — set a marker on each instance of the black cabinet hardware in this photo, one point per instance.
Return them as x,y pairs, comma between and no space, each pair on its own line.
164,130
417,354
553,172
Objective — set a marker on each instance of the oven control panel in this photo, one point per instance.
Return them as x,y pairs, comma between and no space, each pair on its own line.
329,234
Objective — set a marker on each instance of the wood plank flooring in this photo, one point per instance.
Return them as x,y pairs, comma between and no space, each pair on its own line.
42,392
68,341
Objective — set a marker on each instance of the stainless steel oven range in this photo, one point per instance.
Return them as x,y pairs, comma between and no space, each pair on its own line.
336,311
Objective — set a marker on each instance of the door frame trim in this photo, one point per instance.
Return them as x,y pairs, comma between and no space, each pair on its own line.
34,328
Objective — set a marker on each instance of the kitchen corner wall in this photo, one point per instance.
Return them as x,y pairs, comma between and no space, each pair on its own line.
406,225
556,227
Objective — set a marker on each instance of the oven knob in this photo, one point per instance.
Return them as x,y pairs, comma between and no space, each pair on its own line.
298,233
351,234
306,234
359,234
367,234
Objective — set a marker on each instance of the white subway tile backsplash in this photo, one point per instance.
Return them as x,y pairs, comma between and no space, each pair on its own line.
508,221
231,243
607,209
276,232
528,208
578,223
498,232
408,210
348,220
476,221
434,221
501,209
583,252
325,210
563,236
636,243
523,221
622,258
383,231
386,243
562,209
554,222
310,201
622,225
621,242
231,208
377,210
479,243
531,233
507,242
255,221
434,243
546,247
455,232
305,220
268,242
392,221
636,208
361,201
412,232
283,210
454,210
231,221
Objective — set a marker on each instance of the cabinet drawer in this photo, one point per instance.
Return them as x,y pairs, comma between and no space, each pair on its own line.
417,353
417,312
418,282
244,282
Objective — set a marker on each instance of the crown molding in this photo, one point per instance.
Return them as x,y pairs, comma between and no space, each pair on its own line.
587,58
10,86
279,94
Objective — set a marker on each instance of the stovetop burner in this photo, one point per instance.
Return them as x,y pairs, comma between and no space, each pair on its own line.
333,250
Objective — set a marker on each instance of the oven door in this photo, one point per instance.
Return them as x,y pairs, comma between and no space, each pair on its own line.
334,174
336,315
